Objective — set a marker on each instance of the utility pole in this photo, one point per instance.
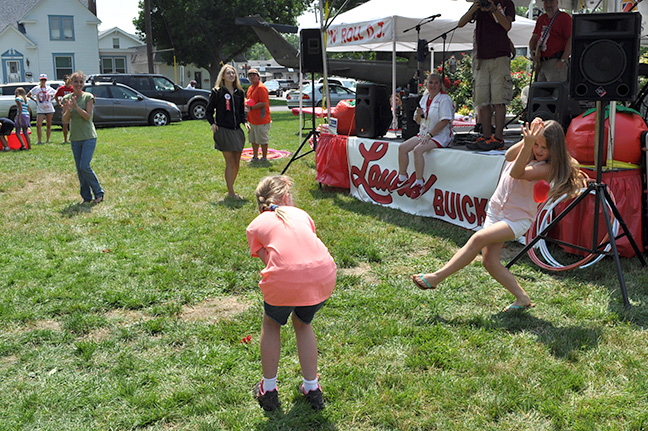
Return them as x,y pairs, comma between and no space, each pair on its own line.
149,35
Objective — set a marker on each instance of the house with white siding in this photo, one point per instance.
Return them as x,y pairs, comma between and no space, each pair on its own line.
55,37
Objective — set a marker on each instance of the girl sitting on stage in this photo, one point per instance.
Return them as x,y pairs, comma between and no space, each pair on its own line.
541,155
434,115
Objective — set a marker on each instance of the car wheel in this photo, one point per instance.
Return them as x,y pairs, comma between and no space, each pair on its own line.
159,118
198,110
319,104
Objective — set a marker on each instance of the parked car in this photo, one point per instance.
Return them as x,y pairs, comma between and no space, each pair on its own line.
337,93
8,99
245,83
191,101
344,82
273,87
118,105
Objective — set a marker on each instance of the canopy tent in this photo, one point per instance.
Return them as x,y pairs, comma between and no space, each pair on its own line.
380,25
388,25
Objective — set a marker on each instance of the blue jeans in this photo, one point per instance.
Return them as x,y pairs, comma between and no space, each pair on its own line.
83,151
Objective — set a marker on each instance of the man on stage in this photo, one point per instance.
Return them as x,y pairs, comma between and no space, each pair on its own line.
551,43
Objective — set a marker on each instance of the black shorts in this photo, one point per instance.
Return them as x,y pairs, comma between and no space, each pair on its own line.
280,314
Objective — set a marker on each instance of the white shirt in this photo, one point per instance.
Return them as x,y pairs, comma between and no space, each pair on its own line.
44,97
441,108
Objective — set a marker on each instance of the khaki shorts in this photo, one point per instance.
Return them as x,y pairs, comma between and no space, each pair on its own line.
259,134
549,73
493,82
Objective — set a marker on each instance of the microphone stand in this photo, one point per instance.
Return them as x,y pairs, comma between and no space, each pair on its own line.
443,58
418,37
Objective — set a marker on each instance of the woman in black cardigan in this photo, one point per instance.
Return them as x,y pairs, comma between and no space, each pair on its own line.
227,99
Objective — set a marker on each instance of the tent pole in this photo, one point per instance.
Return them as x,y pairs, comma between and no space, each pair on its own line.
393,90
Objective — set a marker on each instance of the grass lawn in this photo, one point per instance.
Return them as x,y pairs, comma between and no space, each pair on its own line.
130,314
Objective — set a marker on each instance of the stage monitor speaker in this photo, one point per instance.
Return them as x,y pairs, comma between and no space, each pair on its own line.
550,101
373,113
310,45
410,128
605,56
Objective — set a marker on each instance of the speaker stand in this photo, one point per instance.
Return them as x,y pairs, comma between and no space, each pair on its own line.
312,133
601,196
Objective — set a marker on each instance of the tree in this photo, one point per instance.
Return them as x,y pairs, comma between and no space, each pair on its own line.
203,32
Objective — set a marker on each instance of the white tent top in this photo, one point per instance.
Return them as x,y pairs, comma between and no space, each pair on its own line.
372,26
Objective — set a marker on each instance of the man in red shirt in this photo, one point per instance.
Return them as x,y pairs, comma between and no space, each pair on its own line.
551,43
258,105
58,96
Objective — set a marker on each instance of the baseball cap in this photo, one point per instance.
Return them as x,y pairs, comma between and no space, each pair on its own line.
42,76
251,71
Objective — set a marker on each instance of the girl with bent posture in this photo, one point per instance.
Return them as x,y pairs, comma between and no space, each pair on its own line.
298,278
541,155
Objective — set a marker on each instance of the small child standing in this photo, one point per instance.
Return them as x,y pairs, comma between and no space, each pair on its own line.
540,155
298,278
23,121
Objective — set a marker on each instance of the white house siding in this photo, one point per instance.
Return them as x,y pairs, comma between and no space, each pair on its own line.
84,49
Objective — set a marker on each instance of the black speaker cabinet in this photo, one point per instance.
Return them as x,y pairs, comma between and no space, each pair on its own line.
550,101
310,45
605,56
410,128
373,113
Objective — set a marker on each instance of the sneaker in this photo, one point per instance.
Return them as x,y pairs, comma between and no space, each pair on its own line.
269,401
254,160
314,397
416,191
475,145
492,144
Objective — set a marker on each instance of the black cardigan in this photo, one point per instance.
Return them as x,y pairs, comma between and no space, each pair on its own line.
218,102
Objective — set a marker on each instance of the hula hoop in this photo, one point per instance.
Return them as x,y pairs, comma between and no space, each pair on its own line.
544,218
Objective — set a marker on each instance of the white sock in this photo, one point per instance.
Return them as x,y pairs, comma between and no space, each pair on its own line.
419,182
269,384
310,385
402,178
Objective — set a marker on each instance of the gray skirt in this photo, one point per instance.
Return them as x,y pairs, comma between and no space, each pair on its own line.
229,139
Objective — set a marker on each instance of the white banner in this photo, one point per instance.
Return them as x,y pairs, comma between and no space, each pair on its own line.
458,184
377,31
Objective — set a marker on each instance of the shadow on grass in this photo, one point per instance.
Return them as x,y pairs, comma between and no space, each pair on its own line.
300,417
563,342
77,208
229,202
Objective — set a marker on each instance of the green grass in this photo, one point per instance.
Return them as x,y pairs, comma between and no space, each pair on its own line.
130,314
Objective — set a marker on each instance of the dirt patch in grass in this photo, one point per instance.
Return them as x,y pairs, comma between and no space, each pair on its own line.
126,316
214,309
363,270
52,325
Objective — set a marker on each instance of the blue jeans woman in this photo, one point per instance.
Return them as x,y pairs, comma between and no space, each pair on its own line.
78,111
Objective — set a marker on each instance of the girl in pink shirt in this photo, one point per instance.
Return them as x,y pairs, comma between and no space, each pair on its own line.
540,155
298,278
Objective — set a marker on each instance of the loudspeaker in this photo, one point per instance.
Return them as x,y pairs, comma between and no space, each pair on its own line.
550,101
410,127
605,56
373,113
310,45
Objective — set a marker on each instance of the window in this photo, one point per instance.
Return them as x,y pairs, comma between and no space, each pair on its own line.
113,64
123,93
63,65
98,91
61,27
163,84
115,42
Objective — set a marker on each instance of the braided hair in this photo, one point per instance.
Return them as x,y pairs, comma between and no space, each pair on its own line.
270,193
